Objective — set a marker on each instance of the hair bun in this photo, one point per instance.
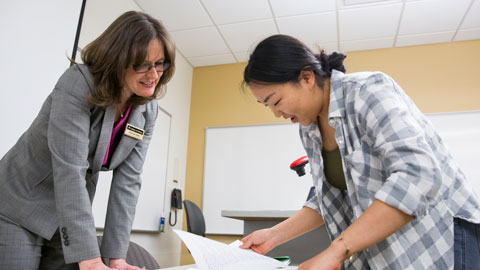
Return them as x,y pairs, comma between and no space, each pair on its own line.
332,61
336,61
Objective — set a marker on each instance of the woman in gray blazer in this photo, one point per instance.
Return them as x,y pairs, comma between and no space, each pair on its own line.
100,116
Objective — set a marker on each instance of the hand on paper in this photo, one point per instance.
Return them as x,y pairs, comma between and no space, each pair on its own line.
121,264
261,241
94,264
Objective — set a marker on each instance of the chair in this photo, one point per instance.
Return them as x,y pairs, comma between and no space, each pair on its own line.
137,255
195,219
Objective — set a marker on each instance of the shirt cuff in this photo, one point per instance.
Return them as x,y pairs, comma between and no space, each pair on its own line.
403,196
312,203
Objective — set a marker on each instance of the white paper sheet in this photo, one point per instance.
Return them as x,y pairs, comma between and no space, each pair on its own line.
212,255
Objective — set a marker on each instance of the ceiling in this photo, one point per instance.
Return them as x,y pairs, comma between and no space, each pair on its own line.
214,32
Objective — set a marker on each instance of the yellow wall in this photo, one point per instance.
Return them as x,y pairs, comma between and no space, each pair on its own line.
439,78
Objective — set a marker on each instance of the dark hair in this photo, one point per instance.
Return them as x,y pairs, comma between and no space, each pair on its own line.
281,58
124,43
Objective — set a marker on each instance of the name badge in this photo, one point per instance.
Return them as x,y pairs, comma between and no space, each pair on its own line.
134,132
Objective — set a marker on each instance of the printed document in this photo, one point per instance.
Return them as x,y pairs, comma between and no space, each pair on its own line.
212,255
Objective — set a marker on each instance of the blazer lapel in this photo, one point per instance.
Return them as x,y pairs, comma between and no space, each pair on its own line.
137,119
104,138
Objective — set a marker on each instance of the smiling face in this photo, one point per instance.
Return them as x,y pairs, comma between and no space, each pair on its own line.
300,102
143,84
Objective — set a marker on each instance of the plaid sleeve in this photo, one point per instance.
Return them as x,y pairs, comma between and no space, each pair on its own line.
309,148
414,180
313,203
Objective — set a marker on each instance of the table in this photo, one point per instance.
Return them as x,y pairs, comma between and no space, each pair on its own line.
190,266
299,249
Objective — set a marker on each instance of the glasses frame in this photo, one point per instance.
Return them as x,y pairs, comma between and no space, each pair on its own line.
163,66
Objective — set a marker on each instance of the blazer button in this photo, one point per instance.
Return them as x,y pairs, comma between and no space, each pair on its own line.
64,230
66,242
65,236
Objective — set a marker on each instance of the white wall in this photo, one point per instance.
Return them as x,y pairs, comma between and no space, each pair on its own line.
165,247
33,55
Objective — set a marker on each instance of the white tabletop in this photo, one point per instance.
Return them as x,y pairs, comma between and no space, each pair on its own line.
258,214
181,267
192,266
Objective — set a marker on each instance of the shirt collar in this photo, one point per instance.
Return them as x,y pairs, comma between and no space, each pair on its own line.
335,109
337,104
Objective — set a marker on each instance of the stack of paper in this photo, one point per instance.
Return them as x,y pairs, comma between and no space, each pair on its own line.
212,255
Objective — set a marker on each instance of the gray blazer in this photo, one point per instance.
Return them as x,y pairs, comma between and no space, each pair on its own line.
48,178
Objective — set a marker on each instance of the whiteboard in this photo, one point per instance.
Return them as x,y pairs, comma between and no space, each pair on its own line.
461,133
247,167
150,203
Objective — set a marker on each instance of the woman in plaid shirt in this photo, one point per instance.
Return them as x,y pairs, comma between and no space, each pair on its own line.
387,189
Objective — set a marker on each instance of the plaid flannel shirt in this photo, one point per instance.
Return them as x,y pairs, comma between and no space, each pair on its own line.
390,152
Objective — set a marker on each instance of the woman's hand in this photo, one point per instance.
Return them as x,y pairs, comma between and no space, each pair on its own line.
94,264
329,259
121,264
319,263
261,241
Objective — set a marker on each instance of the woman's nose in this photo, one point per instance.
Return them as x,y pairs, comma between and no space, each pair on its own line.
152,73
277,113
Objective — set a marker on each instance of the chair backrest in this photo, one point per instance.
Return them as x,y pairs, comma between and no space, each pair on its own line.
195,219
137,255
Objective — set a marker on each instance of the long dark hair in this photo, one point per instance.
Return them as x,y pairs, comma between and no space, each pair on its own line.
123,43
281,58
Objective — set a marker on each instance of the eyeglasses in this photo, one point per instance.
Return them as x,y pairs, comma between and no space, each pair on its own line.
144,68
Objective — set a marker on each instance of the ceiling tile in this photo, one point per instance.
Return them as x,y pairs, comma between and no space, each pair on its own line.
421,39
211,60
362,45
177,15
438,16
244,36
200,42
232,11
369,22
288,7
344,4
361,2
327,47
313,28
315,48
468,34
242,56
472,20
207,32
